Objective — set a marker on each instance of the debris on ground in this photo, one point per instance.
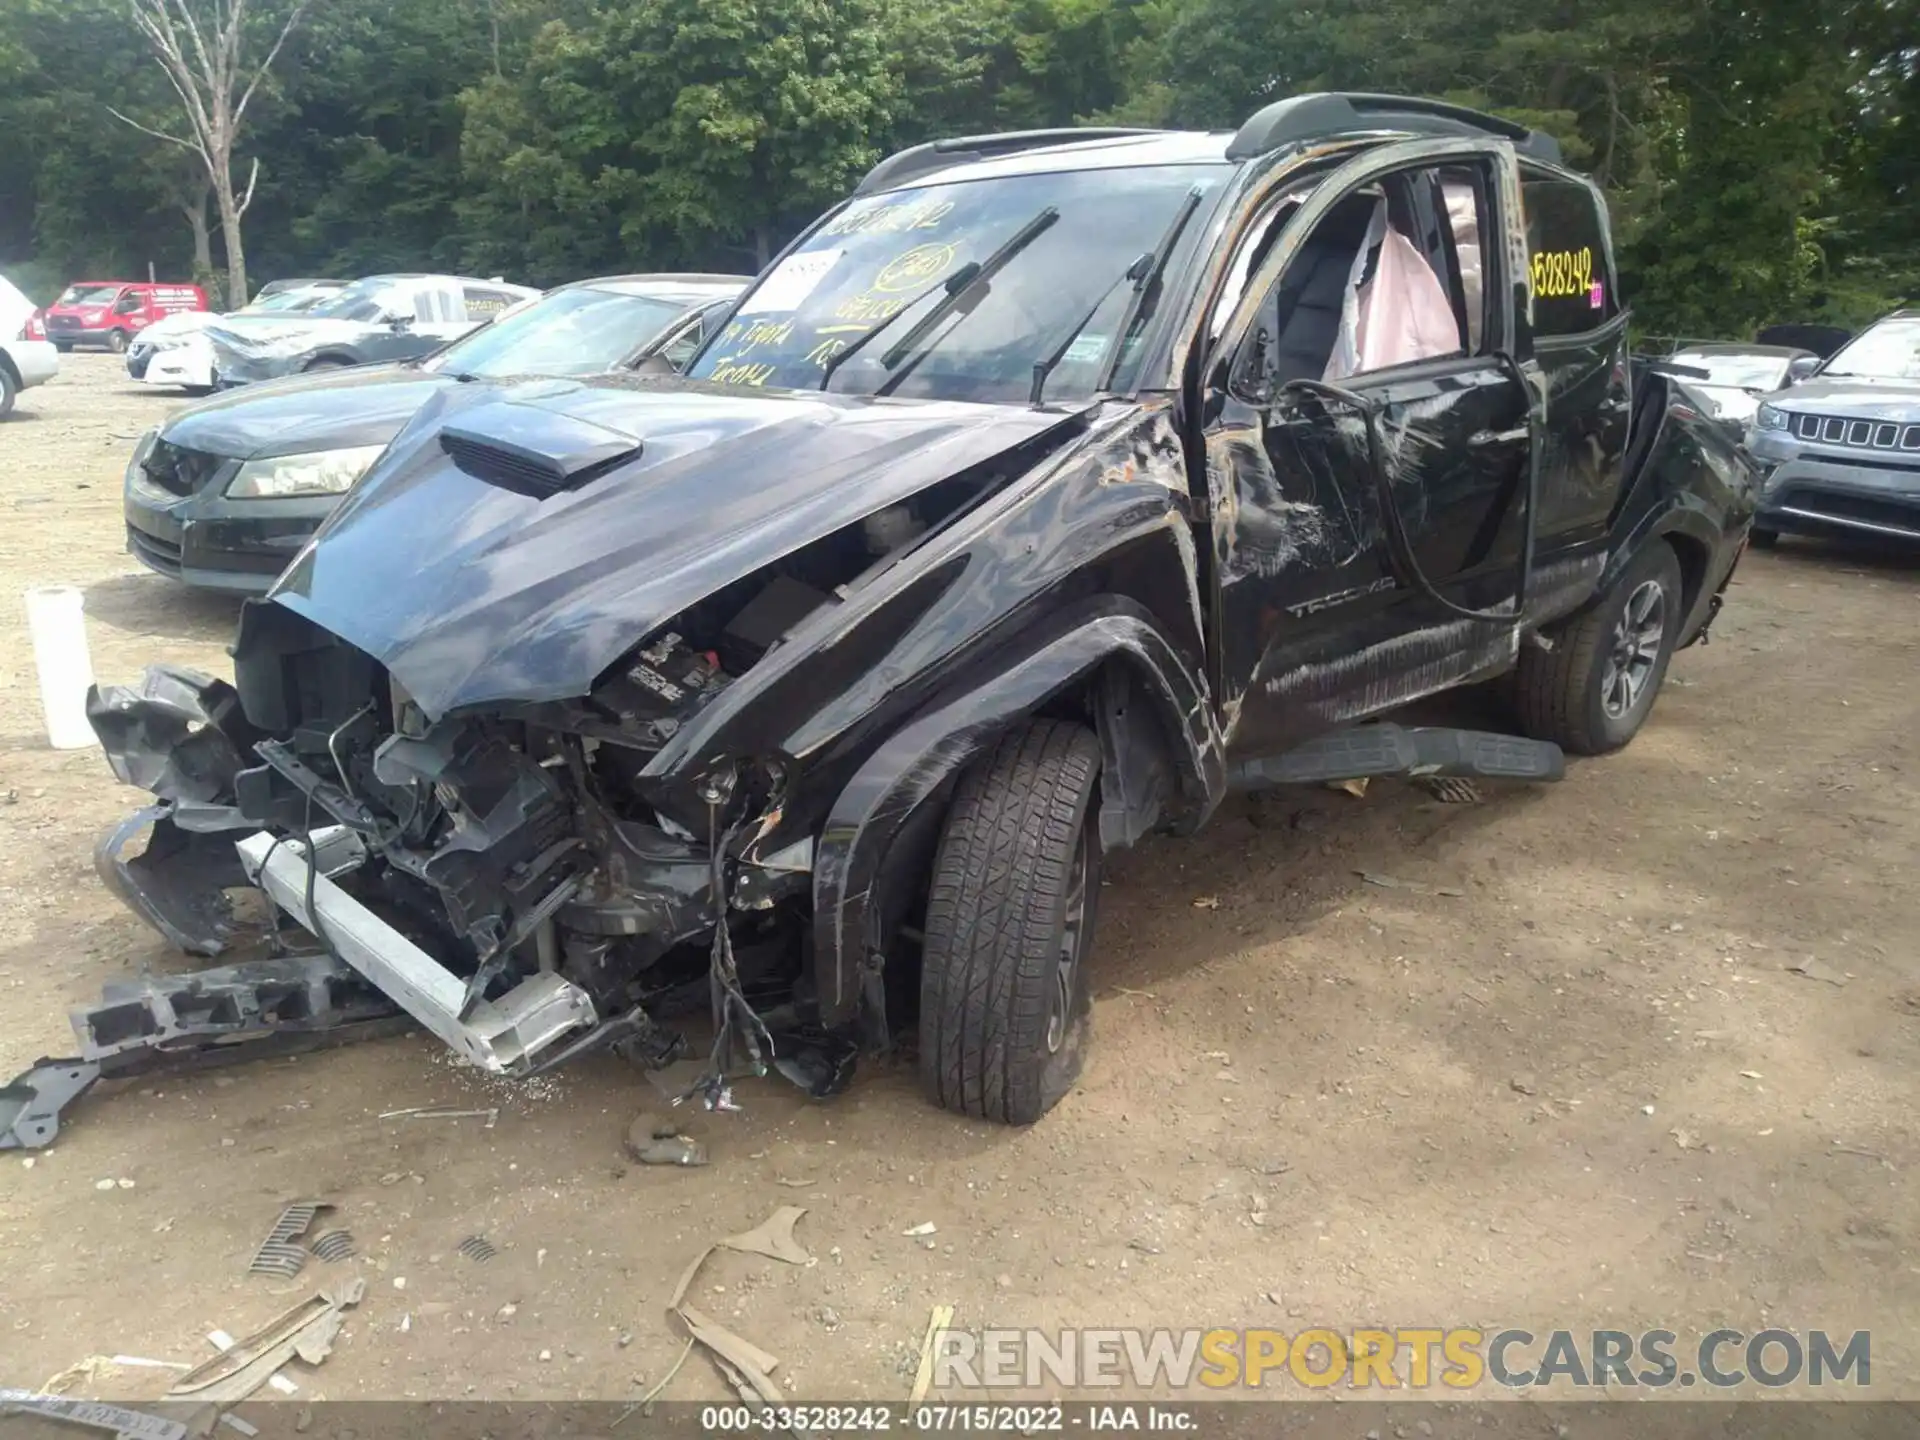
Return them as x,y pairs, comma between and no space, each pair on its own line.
938,1320
305,1332
1523,1085
747,1367
1687,1140
1388,882
96,1367
477,1248
280,1254
115,1419
333,1247
655,1140
1812,969
434,1112
1449,789
773,1238
1355,788
1207,902
925,1227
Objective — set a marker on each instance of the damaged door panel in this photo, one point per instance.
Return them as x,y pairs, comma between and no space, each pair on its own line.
810,689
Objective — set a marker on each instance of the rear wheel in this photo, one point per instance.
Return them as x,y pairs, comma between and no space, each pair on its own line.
1763,539
324,365
117,341
1594,690
1004,1014
9,388
65,347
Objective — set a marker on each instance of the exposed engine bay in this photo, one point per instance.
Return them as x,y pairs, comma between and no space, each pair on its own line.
502,877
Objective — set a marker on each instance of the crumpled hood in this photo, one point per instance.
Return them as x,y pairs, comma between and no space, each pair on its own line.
304,413
470,592
1861,399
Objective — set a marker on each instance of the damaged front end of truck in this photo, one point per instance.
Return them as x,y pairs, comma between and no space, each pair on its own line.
593,703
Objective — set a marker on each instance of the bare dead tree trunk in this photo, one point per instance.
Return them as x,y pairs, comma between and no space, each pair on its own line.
200,45
195,209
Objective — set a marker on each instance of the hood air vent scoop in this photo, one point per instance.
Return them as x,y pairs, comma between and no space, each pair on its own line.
549,452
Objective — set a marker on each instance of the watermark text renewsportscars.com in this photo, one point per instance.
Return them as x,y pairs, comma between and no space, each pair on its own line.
1415,1358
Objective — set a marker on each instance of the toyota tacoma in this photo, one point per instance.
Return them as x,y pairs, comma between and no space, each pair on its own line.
1040,495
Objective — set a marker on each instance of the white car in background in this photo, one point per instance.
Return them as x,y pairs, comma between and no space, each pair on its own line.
27,357
175,353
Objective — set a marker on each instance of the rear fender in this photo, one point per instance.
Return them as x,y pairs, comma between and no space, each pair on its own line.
1160,741
1692,487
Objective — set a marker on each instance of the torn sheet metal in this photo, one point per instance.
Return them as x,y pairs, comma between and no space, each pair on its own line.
179,733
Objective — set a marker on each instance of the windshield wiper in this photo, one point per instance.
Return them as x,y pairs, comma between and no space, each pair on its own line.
971,288
958,280
1143,272
1146,287
1043,368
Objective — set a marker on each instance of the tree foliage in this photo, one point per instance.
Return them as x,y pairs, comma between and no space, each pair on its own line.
1762,156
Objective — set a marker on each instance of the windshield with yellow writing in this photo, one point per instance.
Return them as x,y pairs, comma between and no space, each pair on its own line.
887,264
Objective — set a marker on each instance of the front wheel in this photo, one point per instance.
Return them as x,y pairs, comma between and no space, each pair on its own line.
9,388
1594,690
1004,1012
117,341
1762,539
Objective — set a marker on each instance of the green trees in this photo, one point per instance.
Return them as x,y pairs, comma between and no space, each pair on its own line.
1761,155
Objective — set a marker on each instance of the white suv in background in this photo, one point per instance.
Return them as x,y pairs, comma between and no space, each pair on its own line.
24,362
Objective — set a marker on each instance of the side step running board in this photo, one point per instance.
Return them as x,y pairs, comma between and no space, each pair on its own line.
504,1035
1369,750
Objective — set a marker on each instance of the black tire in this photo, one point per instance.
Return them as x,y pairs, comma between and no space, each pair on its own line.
117,341
9,389
65,347
1573,694
1763,539
324,365
1004,1012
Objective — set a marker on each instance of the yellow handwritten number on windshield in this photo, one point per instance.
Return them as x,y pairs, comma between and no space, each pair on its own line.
918,266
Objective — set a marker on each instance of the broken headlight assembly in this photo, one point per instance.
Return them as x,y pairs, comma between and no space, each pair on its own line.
286,477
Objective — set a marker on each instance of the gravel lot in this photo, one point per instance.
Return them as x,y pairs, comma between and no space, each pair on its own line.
1586,1090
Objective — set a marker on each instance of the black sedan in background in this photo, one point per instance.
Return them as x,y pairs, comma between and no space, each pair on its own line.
227,491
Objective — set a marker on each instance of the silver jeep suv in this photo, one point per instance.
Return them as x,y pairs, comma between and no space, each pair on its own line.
1840,453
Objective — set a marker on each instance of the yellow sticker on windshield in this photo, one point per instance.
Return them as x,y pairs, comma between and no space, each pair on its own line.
917,267
1563,274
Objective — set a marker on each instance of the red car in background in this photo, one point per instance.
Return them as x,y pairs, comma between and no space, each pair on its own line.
112,312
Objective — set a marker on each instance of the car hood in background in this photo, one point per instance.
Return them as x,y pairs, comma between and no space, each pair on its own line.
329,411
270,335
471,593
1842,395
179,323
1729,403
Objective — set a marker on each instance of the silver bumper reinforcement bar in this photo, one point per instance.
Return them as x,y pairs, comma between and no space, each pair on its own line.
503,1035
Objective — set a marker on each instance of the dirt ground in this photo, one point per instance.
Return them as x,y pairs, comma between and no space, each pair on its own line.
1585,1090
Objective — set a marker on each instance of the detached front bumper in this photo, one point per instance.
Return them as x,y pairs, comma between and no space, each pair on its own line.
207,540
1822,492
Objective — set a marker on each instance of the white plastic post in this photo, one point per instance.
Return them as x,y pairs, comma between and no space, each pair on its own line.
59,628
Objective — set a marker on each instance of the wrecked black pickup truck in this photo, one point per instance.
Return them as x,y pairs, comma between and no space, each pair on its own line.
1048,490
